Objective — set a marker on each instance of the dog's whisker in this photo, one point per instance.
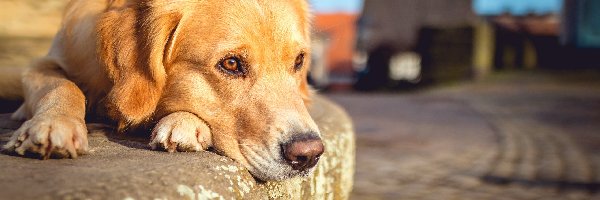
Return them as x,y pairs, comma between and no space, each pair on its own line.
251,156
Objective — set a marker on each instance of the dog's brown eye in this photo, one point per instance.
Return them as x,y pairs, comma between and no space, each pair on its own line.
299,62
233,66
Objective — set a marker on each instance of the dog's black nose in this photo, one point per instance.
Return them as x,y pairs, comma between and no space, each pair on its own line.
303,153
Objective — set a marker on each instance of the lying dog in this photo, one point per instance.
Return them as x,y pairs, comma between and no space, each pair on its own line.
225,74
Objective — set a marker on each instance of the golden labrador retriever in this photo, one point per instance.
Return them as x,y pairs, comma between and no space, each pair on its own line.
227,74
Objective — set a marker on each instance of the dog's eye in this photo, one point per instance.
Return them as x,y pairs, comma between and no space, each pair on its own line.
232,65
299,62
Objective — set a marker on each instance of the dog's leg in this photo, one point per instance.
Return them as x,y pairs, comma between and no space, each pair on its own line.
55,109
181,131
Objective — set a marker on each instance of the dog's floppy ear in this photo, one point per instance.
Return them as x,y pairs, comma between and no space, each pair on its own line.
133,44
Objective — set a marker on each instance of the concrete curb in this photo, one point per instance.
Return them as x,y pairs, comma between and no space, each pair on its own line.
124,168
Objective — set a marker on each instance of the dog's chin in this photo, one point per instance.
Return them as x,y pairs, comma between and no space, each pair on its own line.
278,172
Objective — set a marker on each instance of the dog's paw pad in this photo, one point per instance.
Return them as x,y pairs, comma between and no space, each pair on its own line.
181,131
55,136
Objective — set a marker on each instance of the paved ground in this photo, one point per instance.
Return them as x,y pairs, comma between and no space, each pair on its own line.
525,135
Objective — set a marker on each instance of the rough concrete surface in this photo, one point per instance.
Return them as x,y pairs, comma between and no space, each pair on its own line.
121,167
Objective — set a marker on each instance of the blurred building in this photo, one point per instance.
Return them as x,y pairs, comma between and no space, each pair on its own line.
334,28
398,22
553,34
407,42
333,48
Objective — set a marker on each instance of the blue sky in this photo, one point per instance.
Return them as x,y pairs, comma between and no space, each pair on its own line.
485,7
519,7
331,6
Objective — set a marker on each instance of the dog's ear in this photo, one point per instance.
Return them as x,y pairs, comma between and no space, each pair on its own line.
133,45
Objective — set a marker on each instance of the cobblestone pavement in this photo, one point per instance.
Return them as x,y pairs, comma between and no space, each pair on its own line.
518,135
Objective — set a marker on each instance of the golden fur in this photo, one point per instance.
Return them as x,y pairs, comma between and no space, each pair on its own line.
155,62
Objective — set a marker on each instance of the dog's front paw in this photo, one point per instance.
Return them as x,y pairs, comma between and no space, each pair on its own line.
56,136
181,131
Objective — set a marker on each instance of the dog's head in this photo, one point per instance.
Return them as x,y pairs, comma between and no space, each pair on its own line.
240,65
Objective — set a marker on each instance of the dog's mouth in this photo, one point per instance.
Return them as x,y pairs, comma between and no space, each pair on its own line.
295,157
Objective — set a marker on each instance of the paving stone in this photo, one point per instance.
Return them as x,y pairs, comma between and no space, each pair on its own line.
513,136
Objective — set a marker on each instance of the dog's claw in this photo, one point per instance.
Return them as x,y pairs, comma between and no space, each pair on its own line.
181,131
47,136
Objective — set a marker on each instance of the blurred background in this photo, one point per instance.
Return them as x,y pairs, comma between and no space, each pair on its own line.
400,44
451,99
